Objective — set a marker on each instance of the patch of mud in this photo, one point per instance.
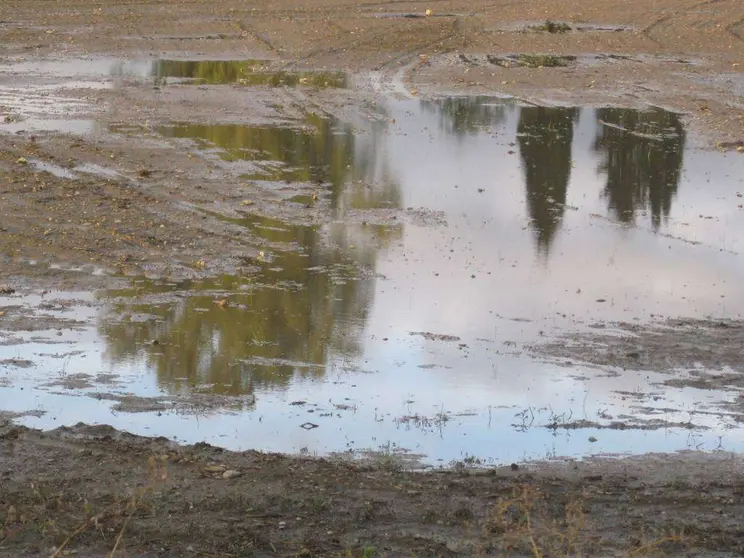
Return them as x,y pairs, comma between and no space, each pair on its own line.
7,417
187,404
16,363
532,60
667,346
426,217
557,27
435,336
73,381
620,425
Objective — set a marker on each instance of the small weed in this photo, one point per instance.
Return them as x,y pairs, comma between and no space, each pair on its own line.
552,27
320,505
157,474
532,61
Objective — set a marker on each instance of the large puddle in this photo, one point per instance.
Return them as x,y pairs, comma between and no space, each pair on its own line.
516,224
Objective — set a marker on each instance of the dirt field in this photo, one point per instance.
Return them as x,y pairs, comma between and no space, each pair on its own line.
147,497
95,491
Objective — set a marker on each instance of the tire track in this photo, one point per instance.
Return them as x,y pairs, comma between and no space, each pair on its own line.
674,14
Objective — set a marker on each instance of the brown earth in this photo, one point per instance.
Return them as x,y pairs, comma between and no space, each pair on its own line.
684,56
149,497
93,490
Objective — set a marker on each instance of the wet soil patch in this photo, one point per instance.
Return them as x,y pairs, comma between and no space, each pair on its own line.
668,346
251,72
532,60
188,403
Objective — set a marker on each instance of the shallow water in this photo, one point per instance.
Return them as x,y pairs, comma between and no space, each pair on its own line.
411,333
212,72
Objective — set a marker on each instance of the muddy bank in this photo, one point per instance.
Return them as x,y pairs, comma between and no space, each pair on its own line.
706,349
149,497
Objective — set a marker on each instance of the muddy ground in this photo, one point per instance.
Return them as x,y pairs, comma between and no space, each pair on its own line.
93,490
149,497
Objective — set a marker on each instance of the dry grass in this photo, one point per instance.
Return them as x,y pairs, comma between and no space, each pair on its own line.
529,524
157,475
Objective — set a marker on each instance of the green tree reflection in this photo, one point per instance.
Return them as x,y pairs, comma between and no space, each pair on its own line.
643,154
545,135
281,322
319,152
244,72
287,317
324,151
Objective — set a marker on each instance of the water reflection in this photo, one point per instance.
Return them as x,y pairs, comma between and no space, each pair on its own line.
309,305
545,137
467,115
324,152
276,325
252,72
244,72
320,152
326,316
643,154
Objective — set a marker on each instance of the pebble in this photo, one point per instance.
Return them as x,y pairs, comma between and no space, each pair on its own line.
231,473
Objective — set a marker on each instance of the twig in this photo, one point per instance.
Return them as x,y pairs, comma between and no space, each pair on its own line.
135,504
71,536
653,544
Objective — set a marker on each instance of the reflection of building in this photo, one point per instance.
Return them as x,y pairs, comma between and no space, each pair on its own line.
643,154
545,136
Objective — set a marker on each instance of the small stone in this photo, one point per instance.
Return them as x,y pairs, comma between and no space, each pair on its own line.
214,469
231,474
592,439
282,524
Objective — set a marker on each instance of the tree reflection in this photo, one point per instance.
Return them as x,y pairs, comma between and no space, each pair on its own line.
286,318
462,116
281,322
545,135
319,152
244,72
323,151
643,154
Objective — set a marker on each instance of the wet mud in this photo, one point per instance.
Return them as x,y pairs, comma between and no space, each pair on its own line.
492,242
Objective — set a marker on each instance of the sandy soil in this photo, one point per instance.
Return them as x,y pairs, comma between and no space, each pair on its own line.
143,497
